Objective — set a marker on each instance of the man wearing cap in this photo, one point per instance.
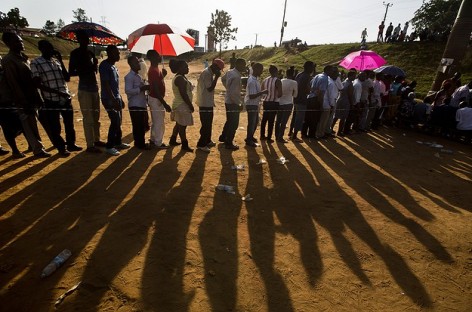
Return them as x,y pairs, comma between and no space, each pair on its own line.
206,101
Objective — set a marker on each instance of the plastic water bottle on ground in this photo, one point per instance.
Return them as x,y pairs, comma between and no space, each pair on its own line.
56,263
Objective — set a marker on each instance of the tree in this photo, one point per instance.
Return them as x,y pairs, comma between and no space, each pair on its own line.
221,25
437,16
3,21
15,19
49,28
80,16
60,23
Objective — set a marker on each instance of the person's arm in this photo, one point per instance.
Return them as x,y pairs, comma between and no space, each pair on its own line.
65,74
295,89
278,87
214,81
181,84
73,64
251,88
116,103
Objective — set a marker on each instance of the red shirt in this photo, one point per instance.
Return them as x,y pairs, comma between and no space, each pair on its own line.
155,75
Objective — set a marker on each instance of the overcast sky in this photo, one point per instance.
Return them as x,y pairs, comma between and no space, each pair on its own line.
315,21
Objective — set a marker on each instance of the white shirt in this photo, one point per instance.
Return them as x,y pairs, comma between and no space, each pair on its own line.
330,95
205,98
379,91
143,70
464,118
133,84
357,90
232,82
461,92
253,87
289,91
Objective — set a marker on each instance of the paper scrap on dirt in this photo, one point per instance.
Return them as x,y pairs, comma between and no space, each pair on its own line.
67,293
282,160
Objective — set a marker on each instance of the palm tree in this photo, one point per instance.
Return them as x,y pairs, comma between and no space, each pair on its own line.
457,42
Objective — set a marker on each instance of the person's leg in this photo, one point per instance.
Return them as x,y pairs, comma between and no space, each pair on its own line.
286,112
153,107
299,119
49,119
183,137
370,117
173,137
224,132
10,123
265,115
206,118
30,130
317,110
67,113
309,118
252,116
88,116
95,102
138,118
341,127
321,127
329,125
278,123
364,112
292,122
273,108
114,124
233,122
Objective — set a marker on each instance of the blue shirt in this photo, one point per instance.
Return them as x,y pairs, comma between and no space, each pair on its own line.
318,84
108,72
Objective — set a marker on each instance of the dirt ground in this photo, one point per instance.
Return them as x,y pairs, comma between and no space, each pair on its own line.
372,222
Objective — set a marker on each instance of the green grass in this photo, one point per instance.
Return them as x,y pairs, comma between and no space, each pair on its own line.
31,46
419,59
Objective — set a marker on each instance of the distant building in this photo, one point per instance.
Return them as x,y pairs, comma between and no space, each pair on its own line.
195,34
28,32
210,40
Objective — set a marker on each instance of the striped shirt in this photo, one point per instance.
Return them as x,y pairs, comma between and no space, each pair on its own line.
269,84
50,73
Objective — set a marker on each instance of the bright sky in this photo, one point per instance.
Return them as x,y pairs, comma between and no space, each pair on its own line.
316,22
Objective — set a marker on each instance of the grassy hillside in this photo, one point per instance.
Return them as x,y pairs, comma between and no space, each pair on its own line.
420,60
31,46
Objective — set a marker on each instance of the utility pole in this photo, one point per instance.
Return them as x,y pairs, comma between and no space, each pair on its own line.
456,46
284,24
387,5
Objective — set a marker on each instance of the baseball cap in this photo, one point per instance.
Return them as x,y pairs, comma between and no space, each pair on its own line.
219,62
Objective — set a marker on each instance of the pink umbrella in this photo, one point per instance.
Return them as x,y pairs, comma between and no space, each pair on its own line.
362,60
166,40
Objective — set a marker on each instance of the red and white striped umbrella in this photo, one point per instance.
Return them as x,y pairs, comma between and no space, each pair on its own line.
166,40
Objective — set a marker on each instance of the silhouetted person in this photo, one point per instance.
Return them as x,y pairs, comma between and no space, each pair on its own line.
23,89
83,63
